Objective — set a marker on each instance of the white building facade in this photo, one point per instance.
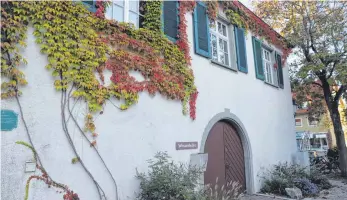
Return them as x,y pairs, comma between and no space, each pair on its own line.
259,109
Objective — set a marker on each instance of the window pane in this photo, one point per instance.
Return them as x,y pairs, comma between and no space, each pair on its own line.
297,122
214,47
134,6
220,29
222,58
221,45
212,25
118,13
226,56
225,46
269,72
119,2
88,2
224,30
324,141
134,18
109,13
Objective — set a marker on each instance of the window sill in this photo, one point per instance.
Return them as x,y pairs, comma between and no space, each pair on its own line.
222,65
267,83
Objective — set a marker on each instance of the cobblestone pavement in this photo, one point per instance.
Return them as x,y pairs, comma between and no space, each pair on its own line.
338,192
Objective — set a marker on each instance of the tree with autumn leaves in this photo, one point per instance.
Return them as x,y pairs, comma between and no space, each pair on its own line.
318,30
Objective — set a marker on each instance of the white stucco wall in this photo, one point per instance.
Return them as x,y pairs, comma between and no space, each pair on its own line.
128,138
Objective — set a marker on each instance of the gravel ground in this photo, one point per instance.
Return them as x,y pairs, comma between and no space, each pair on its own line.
338,192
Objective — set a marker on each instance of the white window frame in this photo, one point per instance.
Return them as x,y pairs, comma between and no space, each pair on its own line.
308,122
126,11
268,65
300,122
214,31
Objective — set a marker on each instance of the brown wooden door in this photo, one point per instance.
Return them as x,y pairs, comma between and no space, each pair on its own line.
225,156
233,156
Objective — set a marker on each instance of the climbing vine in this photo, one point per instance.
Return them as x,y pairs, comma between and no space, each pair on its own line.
182,42
153,15
81,45
68,194
212,10
241,16
13,35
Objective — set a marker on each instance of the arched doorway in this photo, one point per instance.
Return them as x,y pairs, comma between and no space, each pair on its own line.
226,132
225,156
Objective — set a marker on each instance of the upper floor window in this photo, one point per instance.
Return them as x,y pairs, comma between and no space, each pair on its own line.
298,122
268,63
170,19
220,42
90,5
131,11
312,122
268,66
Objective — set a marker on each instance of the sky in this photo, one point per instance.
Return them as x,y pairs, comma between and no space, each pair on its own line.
247,3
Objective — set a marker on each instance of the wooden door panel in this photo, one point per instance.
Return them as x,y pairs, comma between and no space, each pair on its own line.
234,156
225,156
215,149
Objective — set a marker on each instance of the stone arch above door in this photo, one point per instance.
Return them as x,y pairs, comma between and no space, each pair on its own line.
237,124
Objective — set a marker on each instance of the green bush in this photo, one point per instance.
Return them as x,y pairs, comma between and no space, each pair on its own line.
275,185
319,179
282,176
285,175
167,180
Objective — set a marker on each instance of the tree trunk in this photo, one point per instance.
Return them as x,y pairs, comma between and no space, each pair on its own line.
333,106
340,138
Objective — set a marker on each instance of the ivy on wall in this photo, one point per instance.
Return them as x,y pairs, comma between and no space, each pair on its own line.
153,15
79,44
241,16
13,36
44,177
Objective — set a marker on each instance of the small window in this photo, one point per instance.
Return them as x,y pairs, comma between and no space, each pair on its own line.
90,5
220,43
324,141
267,63
312,123
91,2
126,11
170,19
298,122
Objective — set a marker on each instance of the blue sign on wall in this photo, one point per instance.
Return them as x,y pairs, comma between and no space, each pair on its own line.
9,120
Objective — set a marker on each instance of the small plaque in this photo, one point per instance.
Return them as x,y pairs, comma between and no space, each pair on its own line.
9,120
186,145
30,166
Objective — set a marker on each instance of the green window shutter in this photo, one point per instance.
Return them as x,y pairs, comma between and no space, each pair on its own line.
170,19
91,5
201,30
279,70
258,60
241,49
